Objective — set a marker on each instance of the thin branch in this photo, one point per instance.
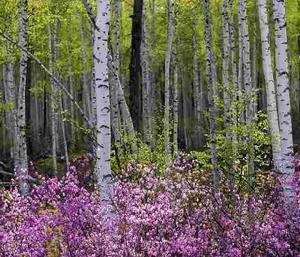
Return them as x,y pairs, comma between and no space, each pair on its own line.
56,80
90,13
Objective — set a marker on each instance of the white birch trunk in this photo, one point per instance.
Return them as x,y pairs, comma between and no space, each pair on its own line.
116,118
226,48
52,104
71,89
125,113
64,135
11,97
196,82
269,81
211,80
146,80
283,97
246,61
167,82
152,73
100,54
86,99
117,15
247,83
175,103
21,146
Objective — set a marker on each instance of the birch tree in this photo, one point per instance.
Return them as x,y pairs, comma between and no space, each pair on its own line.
283,97
226,49
269,81
247,81
146,80
21,162
100,53
85,88
211,81
115,112
167,81
196,80
51,46
175,100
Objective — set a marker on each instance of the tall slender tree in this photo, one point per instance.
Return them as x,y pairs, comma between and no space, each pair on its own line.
212,87
175,100
52,55
135,78
21,145
283,97
226,49
103,128
167,81
269,81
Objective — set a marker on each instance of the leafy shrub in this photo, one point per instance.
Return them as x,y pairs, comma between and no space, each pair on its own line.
170,214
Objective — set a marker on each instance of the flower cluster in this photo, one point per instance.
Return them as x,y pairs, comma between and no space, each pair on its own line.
175,214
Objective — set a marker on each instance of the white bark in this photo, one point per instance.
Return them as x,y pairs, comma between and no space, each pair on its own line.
115,117
100,53
247,82
21,146
226,48
167,82
115,110
175,103
269,81
51,47
116,55
283,97
47,71
64,135
125,113
11,97
71,89
86,99
211,80
247,79
152,100
146,80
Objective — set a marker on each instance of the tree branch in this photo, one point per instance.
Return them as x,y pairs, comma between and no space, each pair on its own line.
56,80
90,13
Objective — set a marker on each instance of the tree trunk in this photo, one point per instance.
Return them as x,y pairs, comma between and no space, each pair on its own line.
125,113
21,146
51,46
211,81
167,82
247,83
196,82
283,98
234,77
175,103
146,79
100,53
135,64
269,81
86,99
226,49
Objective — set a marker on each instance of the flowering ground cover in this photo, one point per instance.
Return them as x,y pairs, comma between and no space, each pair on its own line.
171,214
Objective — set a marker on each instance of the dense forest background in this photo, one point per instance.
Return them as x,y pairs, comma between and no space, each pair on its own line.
150,128
183,75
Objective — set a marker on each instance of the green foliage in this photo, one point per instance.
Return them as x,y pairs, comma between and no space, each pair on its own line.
203,159
122,155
